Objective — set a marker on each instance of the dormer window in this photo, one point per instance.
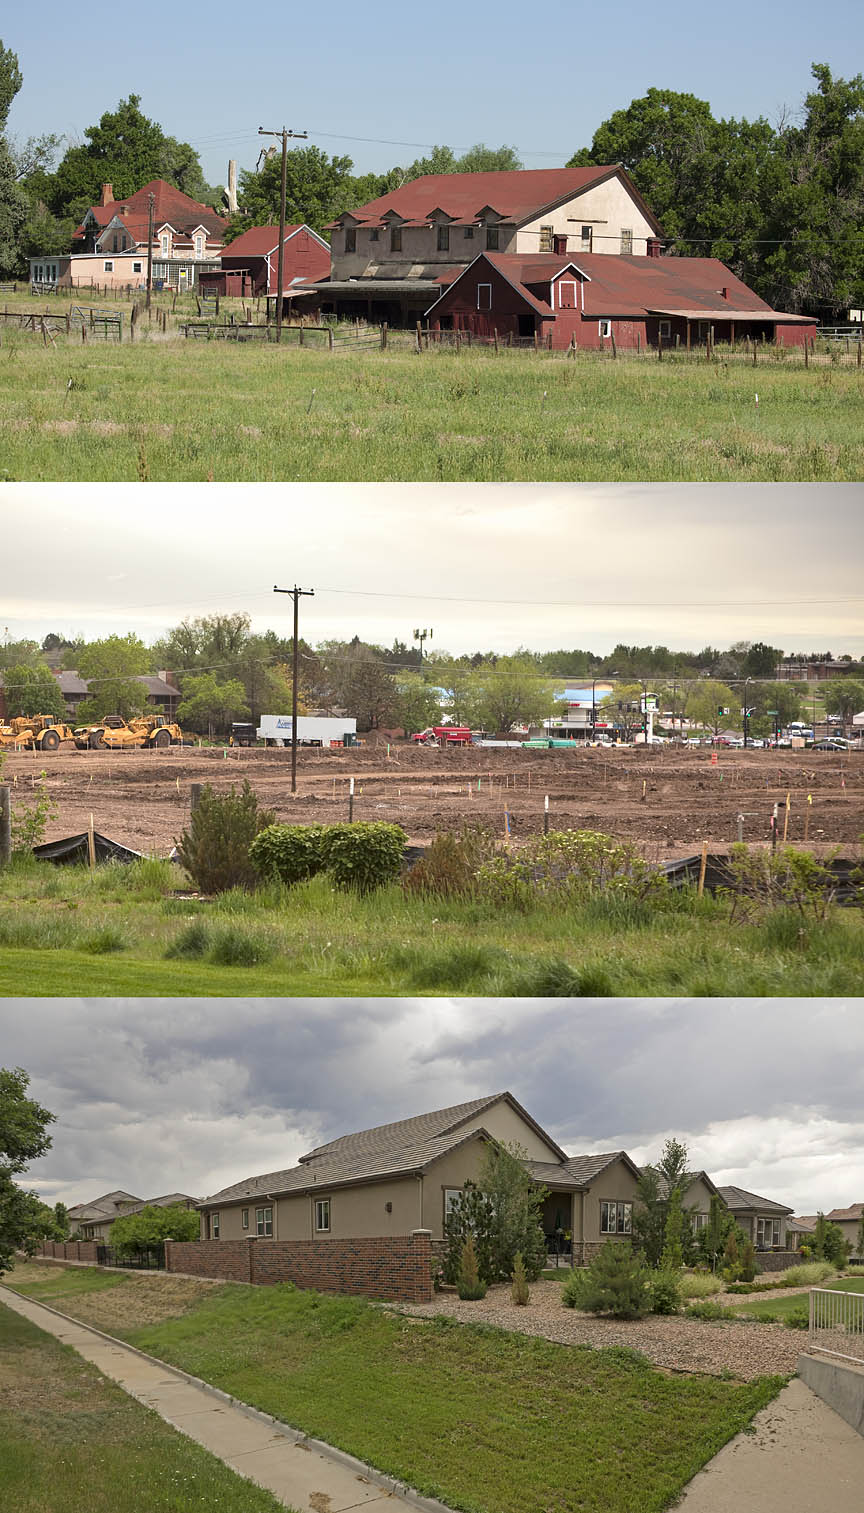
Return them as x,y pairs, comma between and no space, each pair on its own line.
165,244
199,245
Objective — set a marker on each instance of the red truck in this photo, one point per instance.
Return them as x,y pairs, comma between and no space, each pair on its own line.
444,735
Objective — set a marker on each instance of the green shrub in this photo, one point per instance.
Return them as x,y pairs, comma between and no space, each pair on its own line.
799,1318
665,1292
708,1310
808,1275
520,1292
215,848
365,856
233,947
748,1265
288,853
103,941
468,1283
568,866
700,1285
190,944
451,863
617,1282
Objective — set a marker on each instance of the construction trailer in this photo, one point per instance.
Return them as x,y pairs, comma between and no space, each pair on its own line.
276,730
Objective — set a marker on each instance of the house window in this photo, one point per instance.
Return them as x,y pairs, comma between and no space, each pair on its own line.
491,238
468,233
698,1221
137,268
166,246
484,296
373,234
322,1216
605,327
108,266
214,1226
244,1218
546,235
115,246
199,246
587,238
264,1223
665,329
767,1233
443,238
395,238
452,1200
626,239
350,238
615,1218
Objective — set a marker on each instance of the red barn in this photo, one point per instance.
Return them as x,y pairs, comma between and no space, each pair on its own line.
250,264
592,298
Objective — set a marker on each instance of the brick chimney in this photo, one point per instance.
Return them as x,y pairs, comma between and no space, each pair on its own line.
653,246
107,194
724,293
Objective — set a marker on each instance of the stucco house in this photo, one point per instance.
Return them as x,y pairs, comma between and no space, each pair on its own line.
848,1221
404,1176
93,1220
763,1221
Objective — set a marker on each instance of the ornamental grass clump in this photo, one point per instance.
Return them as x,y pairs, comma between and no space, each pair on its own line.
449,866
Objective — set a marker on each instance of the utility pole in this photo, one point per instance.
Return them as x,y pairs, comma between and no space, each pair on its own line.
421,636
296,594
284,134
151,201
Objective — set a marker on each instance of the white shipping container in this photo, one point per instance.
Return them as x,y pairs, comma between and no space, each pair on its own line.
311,731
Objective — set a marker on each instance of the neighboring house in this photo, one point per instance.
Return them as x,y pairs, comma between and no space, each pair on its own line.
110,246
387,254
169,1200
848,1221
93,1220
607,302
162,694
250,264
404,1176
763,1221
800,1230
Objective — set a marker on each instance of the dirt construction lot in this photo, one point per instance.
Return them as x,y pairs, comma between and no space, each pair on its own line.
667,799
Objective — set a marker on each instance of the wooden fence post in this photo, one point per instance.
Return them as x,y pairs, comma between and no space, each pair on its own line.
383,335
5,824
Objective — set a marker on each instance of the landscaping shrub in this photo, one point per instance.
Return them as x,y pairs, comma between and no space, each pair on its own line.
215,848
708,1310
501,1214
568,866
799,1318
763,881
288,853
617,1282
233,947
748,1266
469,1285
103,941
574,1290
520,1292
451,863
808,1275
700,1285
363,857
190,944
665,1292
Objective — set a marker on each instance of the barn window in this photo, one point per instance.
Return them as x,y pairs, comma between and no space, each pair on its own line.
626,240
605,328
665,328
350,239
468,233
484,296
395,238
587,238
443,238
491,238
546,235
567,295
373,234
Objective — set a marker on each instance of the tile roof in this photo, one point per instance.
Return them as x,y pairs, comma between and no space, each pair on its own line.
739,1198
515,195
108,1206
576,1171
855,1211
168,1201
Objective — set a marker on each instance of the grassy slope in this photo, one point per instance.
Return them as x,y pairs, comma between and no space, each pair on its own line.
71,1439
768,1309
63,933
186,411
488,1421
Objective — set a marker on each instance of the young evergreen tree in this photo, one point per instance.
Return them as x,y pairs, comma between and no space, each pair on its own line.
471,1287
617,1282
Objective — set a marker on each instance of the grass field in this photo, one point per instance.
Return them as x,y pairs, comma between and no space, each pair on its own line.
488,1421
126,930
168,409
71,1439
770,1309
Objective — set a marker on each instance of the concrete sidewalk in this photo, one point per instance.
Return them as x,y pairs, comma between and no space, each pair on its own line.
799,1454
305,1475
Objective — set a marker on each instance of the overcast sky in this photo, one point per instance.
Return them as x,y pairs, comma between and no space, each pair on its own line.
381,84
488,566
160,1096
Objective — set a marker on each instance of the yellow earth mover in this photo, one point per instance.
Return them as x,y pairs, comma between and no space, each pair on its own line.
38,732
155,730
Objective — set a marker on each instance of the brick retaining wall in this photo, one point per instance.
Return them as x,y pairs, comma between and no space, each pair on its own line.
397,1268
71,1250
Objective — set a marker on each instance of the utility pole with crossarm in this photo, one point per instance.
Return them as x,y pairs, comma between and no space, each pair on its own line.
284,134
296,595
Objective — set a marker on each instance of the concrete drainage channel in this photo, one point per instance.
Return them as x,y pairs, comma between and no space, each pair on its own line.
322,1478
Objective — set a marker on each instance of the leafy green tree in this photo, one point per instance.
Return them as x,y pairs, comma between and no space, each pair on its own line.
418,705
483,159
713,1235
211,705
32,690
501,1212
318,188
761,660
706,702
658,1182
61,1220
13,201
785,698
152,1225
23,1138
672,1258
829,1243
113,668
843,696
512,694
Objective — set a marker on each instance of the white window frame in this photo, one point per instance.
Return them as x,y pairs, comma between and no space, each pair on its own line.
452,1200
620,1212
165,244
488,305
108,265
774,1226
322,1216
605,328
199,245
570,283
698,1221
626,241
264,1223
137,268
215,1225
244,1218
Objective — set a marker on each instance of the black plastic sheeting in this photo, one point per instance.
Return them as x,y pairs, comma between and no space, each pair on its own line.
847,875
74,849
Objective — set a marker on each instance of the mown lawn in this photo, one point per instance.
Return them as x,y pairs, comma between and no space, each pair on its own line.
70,1439
125,930
780,1309
168,409
488,1421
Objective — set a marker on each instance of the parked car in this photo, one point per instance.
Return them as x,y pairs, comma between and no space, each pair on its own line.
830,743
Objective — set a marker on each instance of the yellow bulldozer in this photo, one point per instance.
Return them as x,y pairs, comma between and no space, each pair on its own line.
116,734
38,732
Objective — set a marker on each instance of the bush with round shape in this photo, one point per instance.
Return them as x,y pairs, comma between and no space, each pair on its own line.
617,1282
365,856
288,854
665,1292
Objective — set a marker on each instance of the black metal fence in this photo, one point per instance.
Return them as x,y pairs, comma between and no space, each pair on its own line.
148,1258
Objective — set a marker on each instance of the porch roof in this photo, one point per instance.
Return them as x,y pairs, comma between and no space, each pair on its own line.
740,316
577,1172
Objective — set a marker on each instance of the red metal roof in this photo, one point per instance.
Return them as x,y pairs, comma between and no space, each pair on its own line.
258,241
515,195
170,204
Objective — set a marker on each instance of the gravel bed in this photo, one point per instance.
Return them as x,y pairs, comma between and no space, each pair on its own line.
676,1344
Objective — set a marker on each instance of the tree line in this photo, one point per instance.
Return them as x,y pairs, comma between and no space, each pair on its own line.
226,672
782,203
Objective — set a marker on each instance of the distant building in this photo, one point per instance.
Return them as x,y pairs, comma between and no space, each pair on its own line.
250,264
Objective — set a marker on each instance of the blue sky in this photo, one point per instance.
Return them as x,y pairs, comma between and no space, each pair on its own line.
498,73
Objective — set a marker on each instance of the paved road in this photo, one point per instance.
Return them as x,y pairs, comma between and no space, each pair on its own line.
305,1478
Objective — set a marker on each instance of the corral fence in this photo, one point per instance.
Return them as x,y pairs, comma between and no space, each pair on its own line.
317,337
837,1324
145,1258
